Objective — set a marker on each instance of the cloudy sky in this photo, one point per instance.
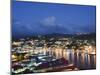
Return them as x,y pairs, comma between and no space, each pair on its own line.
29,18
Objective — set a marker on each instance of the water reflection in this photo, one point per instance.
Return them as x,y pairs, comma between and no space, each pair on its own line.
82,60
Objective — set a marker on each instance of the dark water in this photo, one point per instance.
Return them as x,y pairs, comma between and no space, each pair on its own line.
82,61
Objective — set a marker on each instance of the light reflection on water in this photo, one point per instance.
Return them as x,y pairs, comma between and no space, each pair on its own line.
80,59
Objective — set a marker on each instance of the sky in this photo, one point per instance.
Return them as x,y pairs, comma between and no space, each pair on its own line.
31,18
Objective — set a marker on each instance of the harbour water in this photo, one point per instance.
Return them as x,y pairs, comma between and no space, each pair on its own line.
82,60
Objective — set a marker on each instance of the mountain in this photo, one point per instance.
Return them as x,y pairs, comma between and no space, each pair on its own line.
57,35
86,36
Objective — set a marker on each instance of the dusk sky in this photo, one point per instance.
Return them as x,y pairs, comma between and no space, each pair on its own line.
29,18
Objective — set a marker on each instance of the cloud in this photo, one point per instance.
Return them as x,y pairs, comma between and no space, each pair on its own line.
49,21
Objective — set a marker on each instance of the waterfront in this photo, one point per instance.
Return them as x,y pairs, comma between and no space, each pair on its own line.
81,60
54,54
